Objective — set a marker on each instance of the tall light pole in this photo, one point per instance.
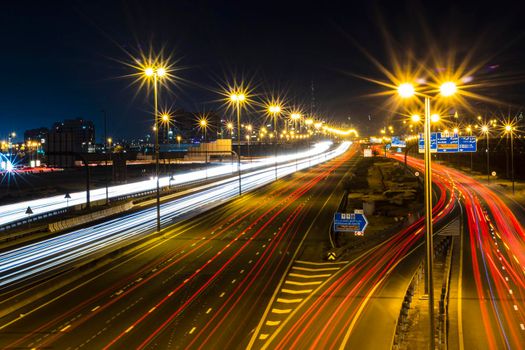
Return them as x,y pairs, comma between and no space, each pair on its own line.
510,130
156,73
407,90
274,110
238,98
203,124
486,131
248,137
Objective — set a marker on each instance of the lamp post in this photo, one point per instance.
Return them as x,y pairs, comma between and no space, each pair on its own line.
238,99
203,124
485,130
407,90
274,110
249,128
510,130
156,73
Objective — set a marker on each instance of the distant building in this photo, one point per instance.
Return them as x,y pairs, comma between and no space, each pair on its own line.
70,136
39,135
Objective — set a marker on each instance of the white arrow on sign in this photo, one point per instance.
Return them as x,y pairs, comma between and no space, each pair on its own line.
331,256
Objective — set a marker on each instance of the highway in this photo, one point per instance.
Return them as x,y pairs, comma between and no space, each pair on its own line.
491,308
204,284
17,211
51,256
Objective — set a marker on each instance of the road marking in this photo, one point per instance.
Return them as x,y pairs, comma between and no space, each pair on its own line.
309,276
281,311
318,269
95,308
233,281
249,262
506,278
138,279
288,301
65,328
257,253
208,311
515,258
312,283
516,307
522,327
222,294
129,329
151,310
242,271
290,291
119,292
272,323
510,291
193,330
263,336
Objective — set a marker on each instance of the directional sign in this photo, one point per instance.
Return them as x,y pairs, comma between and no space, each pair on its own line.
350,222
331,256
448,143
467,144
397,142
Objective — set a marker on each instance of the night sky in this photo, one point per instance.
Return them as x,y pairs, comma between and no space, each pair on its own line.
62,59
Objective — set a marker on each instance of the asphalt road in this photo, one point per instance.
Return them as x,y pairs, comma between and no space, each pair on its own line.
205,285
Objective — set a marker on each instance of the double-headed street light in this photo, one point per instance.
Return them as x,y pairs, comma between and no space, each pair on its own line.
485,129
509,129
238,99
156,73
407,90
274,111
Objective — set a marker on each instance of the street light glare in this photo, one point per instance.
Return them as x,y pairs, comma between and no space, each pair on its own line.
415,118
434,118
241,97
274,109
508,128
148,71
485,128
406,90
165,118
161,71
295,116
448,89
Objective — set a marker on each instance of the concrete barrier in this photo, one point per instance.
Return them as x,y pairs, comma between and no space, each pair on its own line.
80,220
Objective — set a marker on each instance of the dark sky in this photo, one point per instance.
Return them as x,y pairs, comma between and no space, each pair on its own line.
60,59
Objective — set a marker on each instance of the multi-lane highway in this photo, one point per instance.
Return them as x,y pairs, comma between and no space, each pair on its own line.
491,288
205,283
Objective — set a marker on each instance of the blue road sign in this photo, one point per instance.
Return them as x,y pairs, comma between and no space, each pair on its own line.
350,222
397,142
468,144
448,143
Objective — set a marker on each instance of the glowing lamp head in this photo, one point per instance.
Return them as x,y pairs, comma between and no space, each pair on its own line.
448,89
274,109
508,128
203,122
485,129
149,71
165,118
241,97
469,129
229,126
309,121
415,118
456,130
434,118
161,71
406,90
295,116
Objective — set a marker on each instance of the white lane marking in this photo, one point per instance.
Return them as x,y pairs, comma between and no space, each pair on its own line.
193,330
151,310
309,276
263,336
290,291
129,329
312,283
95,308
288,301
522,327
208,311
65,328
233,281
272,323
320,263
222,294
281,311
317,269
516,307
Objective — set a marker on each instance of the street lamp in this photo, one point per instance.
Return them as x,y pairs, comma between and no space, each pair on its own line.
274,111
156,73
295,117
203,124
237,99
407,90
509,130
486,131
